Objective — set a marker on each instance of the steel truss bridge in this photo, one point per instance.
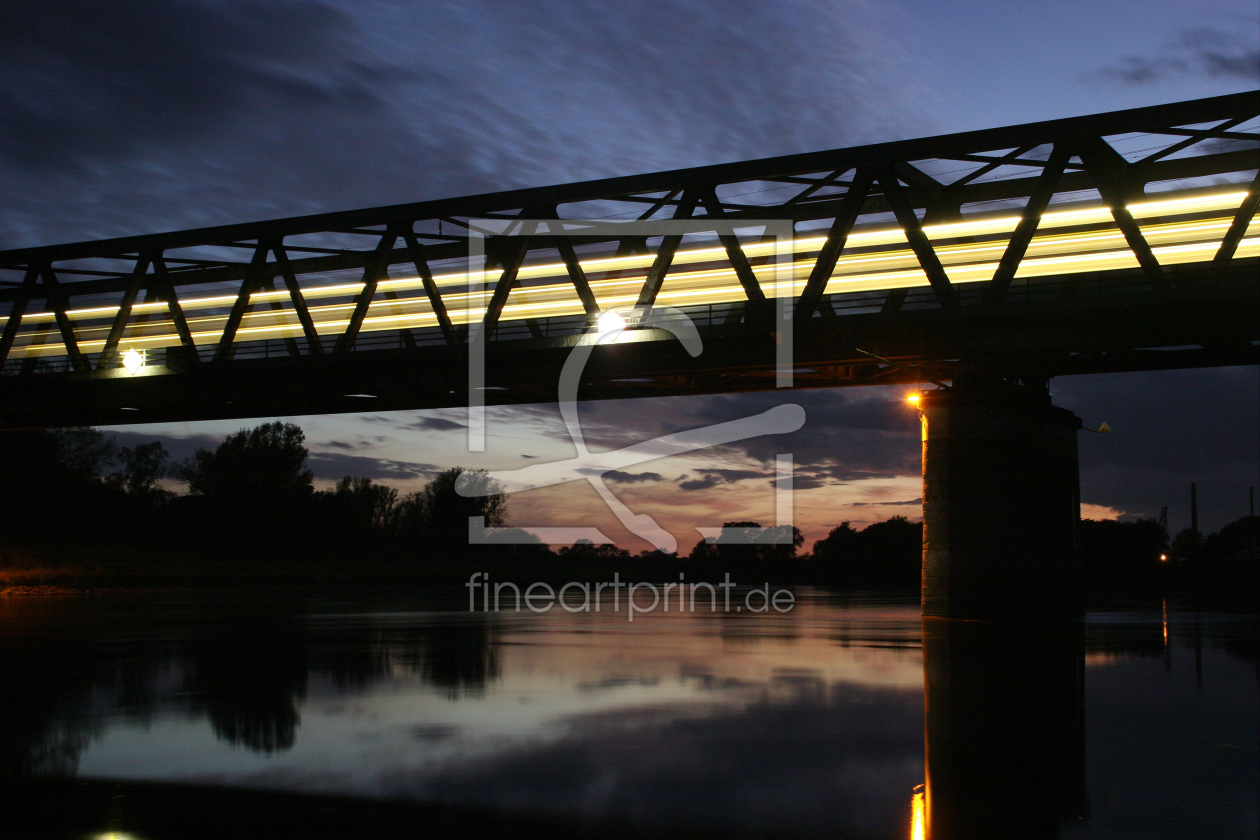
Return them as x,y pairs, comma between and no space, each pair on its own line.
1115,242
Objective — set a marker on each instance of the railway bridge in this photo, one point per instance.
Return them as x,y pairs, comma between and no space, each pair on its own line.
985,262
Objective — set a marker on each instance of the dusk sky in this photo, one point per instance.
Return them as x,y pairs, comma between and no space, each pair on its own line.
136,117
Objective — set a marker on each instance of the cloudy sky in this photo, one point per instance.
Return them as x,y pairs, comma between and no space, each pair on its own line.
120,118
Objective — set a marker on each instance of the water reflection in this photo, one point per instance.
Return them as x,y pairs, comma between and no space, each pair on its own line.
811,724
1004,728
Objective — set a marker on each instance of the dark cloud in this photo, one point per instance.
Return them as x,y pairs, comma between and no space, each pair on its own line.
1199,51
177,447
438,424
712,478
917,501
332,465
414,420
120,118
619,477
849,434
95,80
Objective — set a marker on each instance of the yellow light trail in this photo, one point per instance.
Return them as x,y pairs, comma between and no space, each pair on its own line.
1055,253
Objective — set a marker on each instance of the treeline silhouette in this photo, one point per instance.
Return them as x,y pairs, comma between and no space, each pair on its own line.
252,498
252,495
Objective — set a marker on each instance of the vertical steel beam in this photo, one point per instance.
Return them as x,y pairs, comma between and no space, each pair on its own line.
846,216
58,300
14,321
313,345
665,254
421,261
919,243
1109,171
1017,246
119,325
735,253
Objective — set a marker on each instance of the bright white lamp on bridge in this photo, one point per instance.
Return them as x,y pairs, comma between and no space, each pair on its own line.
610,324
133,360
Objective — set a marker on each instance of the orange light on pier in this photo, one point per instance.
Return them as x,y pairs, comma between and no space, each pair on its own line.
918,815
913,399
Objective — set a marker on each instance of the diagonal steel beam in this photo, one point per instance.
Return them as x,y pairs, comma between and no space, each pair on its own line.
665,254
166,293
14,321
820,275
1109,171
1195,137
651,211
269,285
421,262
313,345
56,298
1017,246
565,246
119,325
1242,219
253,279
372,273
815,186
515,250
918,240
1009,158
735,253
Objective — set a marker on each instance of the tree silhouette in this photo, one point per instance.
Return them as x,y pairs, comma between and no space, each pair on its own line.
436,518
887,553
266,463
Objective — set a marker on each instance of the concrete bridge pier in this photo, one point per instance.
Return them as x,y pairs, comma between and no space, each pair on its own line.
1001,502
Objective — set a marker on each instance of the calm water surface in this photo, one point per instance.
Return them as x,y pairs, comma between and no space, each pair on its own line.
1142,723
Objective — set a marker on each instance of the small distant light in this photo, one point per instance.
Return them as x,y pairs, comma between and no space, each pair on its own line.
610,323
133,360
1163,558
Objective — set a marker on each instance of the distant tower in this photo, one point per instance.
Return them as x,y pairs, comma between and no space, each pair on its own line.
1194,508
